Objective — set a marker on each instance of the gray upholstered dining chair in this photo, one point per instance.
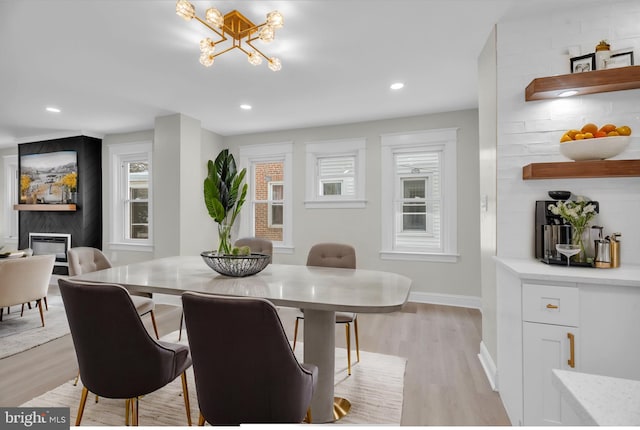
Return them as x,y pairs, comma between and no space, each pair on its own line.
340,256
23,280
84,259
244,367
118,358
257,245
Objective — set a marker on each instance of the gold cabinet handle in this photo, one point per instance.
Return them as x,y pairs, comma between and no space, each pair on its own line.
550,306
572,350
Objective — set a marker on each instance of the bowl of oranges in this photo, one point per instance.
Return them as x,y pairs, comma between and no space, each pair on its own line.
595,143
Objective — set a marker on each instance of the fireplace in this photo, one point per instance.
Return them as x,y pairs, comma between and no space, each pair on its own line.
51,243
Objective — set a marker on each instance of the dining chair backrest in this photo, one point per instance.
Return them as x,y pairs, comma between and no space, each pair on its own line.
84,259
257,245
116,355
24,280
244,367
332,255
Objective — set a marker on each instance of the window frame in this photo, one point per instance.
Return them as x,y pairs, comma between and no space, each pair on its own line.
266,153
444,141
315,151
119,195
11,197
271,202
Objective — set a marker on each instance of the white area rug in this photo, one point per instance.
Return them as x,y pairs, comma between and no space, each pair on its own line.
19,334
374,390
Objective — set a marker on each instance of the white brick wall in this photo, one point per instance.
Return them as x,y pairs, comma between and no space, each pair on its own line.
529,132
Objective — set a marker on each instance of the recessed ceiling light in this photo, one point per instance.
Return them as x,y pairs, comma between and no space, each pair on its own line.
245,107
53,109
397,85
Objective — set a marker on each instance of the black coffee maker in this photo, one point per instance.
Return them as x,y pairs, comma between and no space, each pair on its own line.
550,230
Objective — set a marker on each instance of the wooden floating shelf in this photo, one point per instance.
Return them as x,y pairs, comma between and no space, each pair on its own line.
582,169
597,81
46,207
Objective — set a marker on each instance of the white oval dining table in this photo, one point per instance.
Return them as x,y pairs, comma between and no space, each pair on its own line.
318,291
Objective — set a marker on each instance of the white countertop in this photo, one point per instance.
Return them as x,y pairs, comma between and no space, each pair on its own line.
600,400
625,275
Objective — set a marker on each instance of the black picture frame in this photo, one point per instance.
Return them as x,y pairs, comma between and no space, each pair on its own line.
583,63
620,59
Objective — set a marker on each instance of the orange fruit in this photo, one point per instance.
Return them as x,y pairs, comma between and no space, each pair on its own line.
589,128
565,138
613,133
607,128
624,130
600,133
572,133
579,136
588,135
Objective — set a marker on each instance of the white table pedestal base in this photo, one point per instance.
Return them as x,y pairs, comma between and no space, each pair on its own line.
319,349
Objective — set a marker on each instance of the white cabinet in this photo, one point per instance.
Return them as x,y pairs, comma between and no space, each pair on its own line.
545,347
549,317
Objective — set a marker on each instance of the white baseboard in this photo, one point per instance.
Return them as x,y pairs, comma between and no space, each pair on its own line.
489,366
446,299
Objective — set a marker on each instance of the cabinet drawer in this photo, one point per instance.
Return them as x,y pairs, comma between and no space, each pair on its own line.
550,304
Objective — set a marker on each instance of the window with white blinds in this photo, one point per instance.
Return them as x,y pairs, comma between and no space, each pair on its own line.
335,174
419,198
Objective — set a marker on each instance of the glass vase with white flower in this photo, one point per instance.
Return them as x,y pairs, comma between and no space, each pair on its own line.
578,214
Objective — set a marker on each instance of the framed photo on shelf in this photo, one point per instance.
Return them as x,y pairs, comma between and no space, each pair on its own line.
621,59
583,63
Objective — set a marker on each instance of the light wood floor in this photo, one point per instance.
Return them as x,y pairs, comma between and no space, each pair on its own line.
444,381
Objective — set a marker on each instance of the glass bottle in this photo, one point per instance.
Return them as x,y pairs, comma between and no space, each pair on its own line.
603,53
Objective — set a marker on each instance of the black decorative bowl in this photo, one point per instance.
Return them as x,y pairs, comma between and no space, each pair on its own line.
560,195
235,265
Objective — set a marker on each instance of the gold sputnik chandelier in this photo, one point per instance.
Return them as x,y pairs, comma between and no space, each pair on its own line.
236,26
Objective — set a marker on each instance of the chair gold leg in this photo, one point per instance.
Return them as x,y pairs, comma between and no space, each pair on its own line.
355,329
134,411
201,420
295,334
185,393
77,379
155,327
96,398
21,310
180,328
41,313
307,418
348,333
127,410
83,400
46,305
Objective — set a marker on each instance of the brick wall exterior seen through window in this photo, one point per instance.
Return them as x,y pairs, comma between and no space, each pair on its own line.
266,173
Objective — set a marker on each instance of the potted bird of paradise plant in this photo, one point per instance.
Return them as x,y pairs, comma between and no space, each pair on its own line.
224,195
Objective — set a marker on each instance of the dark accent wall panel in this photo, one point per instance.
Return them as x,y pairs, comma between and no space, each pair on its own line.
85,224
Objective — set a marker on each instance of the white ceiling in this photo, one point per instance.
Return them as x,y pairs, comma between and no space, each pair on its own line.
113,66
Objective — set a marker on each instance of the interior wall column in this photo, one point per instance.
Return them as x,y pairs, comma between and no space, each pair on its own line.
177,185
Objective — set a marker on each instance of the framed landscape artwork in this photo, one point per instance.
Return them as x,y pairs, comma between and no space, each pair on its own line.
49,178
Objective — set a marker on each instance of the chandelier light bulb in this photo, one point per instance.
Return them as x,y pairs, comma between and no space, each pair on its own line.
207,46
275,19
185,10
275,64
267,34
214,17
206,60
254,58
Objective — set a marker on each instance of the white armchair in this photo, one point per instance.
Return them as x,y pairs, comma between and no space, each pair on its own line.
25,279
